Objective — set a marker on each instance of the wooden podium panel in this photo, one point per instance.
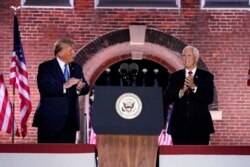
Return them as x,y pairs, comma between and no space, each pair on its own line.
127,150
127,141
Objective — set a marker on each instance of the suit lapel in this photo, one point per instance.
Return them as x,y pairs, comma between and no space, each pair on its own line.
180,78
197,75
57,71
72,69
183,76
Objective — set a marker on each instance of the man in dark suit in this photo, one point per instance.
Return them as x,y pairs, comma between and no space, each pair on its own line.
60,81
190,91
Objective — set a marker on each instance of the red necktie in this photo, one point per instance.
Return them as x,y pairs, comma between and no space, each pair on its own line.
190,73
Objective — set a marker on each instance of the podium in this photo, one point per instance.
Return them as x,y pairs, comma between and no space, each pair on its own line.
127,121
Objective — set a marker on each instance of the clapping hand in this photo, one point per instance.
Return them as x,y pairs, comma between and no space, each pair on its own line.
189,82
80,85
72,81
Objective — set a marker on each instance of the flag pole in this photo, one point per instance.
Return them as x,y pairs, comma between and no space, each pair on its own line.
13,111
13,92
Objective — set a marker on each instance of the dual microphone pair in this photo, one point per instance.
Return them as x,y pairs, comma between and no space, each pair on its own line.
129,72
126,69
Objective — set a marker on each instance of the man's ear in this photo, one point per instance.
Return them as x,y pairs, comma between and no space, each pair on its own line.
60,53
197,58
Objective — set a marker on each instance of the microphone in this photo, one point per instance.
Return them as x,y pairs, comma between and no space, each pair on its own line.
124,68
133,69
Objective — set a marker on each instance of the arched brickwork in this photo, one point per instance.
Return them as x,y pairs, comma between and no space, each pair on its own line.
115,46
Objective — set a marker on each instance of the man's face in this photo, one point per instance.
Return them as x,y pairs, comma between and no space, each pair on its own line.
189,59
67,54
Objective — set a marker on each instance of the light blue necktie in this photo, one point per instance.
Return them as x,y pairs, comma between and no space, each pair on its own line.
66,72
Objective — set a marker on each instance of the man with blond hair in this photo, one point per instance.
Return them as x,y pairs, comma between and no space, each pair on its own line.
60,81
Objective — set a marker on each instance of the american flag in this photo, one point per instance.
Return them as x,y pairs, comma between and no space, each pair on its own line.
91,134
19,78
6,115
165,138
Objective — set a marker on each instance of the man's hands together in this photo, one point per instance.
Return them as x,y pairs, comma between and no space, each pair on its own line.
188,84
74,81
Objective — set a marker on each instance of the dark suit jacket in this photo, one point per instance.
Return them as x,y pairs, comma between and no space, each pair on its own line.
191,111
57,108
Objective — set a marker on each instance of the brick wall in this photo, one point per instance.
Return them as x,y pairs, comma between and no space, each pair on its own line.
222,36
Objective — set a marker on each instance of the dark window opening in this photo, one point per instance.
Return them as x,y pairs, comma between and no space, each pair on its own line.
59,3
226,4
137,3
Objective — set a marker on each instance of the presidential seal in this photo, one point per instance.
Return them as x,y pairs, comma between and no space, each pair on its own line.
128,105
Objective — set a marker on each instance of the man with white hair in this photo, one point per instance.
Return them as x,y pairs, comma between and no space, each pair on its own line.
190,90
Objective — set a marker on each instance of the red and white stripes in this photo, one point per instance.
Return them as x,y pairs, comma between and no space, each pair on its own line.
6,115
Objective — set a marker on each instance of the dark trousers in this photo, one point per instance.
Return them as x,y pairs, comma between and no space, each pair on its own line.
186,138
66,135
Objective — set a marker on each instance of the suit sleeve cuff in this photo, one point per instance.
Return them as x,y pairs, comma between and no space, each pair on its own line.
195,89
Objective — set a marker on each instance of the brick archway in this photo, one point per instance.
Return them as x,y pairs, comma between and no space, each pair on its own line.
115,46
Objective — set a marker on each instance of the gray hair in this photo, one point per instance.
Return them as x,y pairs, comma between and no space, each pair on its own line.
195,50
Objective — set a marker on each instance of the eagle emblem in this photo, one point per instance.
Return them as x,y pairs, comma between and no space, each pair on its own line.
128,105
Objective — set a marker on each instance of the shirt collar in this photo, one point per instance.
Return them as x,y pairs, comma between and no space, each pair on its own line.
61,63
193,71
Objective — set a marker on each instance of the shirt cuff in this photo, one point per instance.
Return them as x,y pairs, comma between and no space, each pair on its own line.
195,89
180,94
